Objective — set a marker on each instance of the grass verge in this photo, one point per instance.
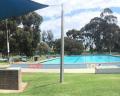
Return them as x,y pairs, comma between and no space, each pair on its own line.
46,84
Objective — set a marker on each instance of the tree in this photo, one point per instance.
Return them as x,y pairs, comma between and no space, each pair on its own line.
24,39
74,34
106,12
110,36
48,37
31,23
110,29
11,28
93,33
43,48
71,46
44,36
101,31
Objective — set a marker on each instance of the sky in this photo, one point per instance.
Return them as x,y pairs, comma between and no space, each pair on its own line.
77,13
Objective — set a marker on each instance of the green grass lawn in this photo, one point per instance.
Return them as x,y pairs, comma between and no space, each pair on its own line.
44,84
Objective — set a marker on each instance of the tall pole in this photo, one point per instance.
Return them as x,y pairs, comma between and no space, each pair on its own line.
8,47
62,46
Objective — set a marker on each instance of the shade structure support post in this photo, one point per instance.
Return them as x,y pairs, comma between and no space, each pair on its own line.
8,46
62,46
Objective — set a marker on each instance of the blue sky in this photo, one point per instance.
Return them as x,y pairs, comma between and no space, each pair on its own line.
77,13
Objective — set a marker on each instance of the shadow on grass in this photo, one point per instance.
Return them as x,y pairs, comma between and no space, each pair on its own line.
45,85
42,86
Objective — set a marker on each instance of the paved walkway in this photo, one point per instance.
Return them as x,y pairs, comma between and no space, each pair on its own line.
58,71
4,66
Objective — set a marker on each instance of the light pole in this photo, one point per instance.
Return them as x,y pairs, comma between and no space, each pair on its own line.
8,43
8,47
62,46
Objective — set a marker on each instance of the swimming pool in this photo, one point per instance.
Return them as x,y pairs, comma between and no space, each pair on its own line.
85,59
76,62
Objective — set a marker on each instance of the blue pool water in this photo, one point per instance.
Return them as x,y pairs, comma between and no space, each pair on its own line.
85,59
76,62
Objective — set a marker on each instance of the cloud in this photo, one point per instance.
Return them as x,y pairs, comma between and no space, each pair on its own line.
77,13
70,22
71,5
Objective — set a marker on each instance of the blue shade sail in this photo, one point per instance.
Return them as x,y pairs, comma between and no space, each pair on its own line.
12,8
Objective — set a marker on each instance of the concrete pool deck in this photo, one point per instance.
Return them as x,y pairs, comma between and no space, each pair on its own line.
33,68
97,70
58,71
87,70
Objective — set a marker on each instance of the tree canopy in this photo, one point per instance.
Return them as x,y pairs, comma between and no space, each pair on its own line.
24,34
101,31
71,47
